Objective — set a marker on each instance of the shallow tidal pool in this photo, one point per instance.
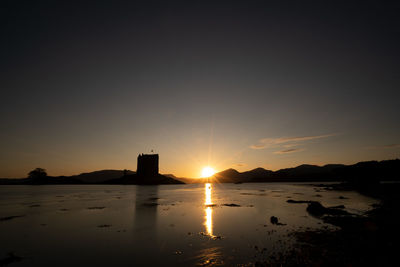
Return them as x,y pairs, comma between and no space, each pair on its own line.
167,225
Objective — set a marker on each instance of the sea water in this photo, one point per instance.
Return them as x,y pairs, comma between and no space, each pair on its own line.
166,225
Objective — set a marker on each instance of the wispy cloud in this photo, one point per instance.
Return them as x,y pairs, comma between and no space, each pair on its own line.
385,146
293,141
288,151
240,165
392,146
290,145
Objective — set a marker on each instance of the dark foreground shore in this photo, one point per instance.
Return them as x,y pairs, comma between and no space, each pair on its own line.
245,225
369,240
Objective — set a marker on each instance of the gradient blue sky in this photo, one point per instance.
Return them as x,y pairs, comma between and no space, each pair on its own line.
242,84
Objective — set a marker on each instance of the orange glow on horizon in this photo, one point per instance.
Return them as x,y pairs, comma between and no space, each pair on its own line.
207,172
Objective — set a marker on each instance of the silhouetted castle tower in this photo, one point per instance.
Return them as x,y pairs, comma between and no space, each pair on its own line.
147,165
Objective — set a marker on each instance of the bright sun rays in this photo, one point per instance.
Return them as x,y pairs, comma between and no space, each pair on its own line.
207,172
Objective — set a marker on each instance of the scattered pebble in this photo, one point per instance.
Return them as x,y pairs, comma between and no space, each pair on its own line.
151,204
178,252
274,220
104,225
10,259
297,201
10,217
231,205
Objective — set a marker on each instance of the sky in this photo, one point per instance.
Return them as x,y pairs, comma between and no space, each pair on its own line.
231,84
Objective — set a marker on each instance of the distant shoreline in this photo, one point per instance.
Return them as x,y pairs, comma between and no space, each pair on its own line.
369,172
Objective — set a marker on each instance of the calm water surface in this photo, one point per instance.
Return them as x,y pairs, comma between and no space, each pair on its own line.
179,225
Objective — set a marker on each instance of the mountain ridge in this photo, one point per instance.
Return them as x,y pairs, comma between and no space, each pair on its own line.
365,171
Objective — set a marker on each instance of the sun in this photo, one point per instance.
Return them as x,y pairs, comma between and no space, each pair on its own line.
207,172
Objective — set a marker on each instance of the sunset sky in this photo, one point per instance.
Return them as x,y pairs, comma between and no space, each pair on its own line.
230,84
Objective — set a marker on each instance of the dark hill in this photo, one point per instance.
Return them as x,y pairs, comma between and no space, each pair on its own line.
368,172
50,180
101,176
257,174
359,173
96,177
228,176
148,180
307,173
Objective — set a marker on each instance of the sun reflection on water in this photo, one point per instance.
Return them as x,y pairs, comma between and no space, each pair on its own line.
208,194
208,222
208,217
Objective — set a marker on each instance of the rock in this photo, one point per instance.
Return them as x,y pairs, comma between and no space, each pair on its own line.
10,259
231,205
150,204
104,225
10,217
337,207
274,220
297,201
316,209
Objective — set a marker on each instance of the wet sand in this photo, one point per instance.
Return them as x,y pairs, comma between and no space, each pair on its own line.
178,225
368,240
